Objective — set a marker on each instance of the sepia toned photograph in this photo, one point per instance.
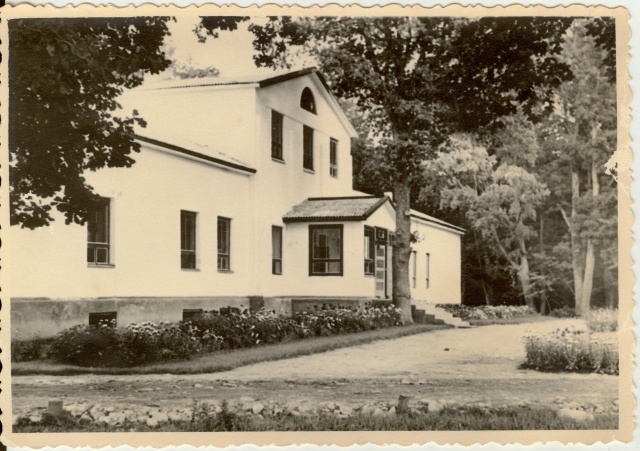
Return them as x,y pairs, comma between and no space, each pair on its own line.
329,220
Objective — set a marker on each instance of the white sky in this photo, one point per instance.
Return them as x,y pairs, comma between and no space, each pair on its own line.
231,53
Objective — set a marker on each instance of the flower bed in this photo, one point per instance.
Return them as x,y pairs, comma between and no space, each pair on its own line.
143,343
572,350
466,313
602,320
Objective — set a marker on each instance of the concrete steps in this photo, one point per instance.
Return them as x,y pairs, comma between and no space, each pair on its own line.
430,314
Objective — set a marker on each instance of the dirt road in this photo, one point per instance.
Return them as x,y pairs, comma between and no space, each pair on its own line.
478,365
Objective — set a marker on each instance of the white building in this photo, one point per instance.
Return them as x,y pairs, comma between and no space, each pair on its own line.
241,196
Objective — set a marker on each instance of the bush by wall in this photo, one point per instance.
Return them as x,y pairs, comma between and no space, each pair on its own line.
142,343
487,311
572,350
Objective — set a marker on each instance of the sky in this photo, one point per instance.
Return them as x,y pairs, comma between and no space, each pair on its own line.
231,53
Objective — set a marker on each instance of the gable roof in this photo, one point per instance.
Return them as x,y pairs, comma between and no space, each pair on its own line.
210,156
258,81
322,209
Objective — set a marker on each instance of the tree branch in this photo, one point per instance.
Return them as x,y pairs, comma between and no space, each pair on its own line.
502,249
564,216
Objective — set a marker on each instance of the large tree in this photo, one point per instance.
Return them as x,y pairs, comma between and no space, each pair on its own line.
64,78
415,80
579,139
499,200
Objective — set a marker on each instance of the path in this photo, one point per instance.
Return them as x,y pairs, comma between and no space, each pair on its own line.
475,365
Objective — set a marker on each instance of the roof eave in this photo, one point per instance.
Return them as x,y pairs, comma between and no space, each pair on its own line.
310,219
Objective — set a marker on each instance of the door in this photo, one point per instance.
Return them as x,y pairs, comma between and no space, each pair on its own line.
381,263
381,270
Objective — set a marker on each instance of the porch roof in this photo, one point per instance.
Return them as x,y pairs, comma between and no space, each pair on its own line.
323,209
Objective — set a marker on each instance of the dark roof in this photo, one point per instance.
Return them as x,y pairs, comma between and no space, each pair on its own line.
192,153
322,209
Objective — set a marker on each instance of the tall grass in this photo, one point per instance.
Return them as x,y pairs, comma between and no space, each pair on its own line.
448,419
571,350
602,320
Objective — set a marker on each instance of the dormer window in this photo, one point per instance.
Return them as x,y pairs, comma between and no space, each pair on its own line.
307,101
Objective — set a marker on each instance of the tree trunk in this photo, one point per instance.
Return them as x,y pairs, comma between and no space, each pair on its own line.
590,261
402,251
576,260
523,274
488,292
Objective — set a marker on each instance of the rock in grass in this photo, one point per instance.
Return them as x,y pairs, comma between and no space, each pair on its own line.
346,410
152,422
576,415
85,418
257,408
368,409
161,417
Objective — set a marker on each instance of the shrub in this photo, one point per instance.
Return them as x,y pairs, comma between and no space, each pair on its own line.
85,345
33,349
602,320
487,311
572,350
147,342
143,343
563,312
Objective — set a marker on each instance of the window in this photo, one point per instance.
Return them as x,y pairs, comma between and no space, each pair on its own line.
276,250
307,156
325,250
276,135
106,318
428,267
414,267
224,244
187,240
369,250
98,234
307,101
191,313
333,157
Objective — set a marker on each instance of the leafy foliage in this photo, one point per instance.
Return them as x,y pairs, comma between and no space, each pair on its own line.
570,349
65,76
487,311
602,320
147,342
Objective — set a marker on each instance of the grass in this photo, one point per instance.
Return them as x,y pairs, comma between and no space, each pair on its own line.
449,419
227,360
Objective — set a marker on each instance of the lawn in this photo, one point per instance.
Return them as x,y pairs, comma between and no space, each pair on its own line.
227,360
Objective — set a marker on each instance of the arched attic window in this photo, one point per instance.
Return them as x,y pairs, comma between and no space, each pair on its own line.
307,101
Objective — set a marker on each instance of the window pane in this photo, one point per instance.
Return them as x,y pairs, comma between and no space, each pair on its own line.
224,244
326,243
187,240
307,158
98,234
276,135
276,242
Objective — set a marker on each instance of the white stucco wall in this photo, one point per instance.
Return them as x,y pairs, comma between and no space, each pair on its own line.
443,245
146,200
296,281
220,117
